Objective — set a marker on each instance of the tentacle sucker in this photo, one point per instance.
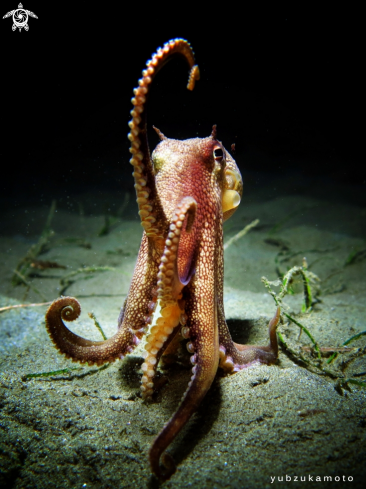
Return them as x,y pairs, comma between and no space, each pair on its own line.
169,292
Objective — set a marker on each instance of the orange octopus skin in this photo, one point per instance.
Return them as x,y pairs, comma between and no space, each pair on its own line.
184,193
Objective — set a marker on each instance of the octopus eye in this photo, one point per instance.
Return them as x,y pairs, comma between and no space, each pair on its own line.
218,154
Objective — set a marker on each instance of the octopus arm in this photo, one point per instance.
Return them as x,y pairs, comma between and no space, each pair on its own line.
204,373
150,206
202,331
132,319
234,356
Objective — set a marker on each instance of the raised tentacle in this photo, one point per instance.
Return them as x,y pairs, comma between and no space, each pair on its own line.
150,209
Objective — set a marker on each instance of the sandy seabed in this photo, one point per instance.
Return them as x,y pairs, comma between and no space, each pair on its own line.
89,428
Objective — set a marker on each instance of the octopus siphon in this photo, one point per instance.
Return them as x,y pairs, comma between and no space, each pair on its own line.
185,191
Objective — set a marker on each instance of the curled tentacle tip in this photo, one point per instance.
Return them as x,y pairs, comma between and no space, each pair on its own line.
194,75
169,464
166,469
67,307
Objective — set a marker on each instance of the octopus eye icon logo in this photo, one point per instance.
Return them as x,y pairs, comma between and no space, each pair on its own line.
20,17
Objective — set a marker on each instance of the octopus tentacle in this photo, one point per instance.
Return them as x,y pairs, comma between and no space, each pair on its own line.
169,293
162,333
234,356
205,358
150,209
203,343
78,348
203,373
131,324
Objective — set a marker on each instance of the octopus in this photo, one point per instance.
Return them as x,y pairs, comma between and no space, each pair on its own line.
185,191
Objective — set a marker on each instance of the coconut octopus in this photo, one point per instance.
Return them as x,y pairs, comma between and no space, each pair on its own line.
185,191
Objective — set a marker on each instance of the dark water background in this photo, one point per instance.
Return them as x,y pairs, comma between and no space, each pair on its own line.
286,89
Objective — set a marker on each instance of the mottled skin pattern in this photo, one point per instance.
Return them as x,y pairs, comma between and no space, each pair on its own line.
184,193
